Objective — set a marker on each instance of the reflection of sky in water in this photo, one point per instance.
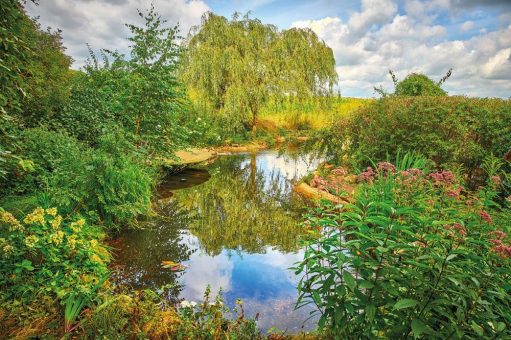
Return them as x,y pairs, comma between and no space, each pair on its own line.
262,279
283,167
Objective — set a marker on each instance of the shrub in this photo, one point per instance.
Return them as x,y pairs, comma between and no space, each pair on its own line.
452,131
47,255
416,254
110,183
46,151
113,184
416,84
147,314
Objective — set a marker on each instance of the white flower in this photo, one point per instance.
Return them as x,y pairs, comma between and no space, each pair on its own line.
188,304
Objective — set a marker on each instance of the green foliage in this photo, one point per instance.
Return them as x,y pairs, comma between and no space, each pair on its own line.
234,67
416,84
75,302
141,93
415,255
146,314
47,77
14,53
451,131
33,77
110,183
44,254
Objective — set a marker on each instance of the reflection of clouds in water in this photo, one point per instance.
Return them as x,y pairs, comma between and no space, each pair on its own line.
288,167
263,281
215,271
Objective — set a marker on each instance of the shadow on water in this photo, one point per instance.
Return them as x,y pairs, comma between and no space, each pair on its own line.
235,226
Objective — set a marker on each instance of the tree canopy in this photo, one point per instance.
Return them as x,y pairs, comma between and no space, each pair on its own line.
233,67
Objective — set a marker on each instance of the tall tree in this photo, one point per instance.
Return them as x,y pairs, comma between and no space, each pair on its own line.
234,67
144,88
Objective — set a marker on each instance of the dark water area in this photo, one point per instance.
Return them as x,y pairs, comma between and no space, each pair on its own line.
235,226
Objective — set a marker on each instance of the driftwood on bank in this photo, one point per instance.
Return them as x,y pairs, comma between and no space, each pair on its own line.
315,194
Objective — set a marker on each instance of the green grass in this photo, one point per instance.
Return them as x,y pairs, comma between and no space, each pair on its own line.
306,116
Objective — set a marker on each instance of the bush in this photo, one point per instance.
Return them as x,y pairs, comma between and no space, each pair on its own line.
416,254
113,184
45,254
146,314
452,131
45,152
110,183
416,84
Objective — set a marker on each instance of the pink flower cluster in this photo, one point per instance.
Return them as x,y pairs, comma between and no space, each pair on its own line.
340,171
485,216
386,167
367,175
503,250
443,177
496,180
412,173
456,230
319,183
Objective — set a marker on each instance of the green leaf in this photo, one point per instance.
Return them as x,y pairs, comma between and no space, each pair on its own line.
350,281
366,284
370,312
418,327
478,329
405,303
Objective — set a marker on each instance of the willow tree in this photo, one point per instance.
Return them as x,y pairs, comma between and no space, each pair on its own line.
233,67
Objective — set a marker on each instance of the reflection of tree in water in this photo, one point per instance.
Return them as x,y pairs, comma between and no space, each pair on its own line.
241,208
139,263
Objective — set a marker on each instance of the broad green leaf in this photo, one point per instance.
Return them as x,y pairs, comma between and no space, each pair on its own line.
405,303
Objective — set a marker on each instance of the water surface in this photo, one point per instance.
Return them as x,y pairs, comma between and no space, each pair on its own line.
235,225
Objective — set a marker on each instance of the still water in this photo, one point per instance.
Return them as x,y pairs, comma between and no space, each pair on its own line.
235,226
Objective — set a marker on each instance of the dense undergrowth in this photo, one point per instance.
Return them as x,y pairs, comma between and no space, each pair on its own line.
417,254
454,132
422,251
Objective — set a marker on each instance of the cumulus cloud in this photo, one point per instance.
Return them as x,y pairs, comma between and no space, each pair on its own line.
473,37
412,40
100,23
467,26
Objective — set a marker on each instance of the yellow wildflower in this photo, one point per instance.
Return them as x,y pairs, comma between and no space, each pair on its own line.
7,249
57,237
95,258
52,211
55,223
31,241
71,240
10,220
37,216
93,243
77,226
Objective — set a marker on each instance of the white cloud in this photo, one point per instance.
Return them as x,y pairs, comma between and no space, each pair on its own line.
100,23
467,26
412,42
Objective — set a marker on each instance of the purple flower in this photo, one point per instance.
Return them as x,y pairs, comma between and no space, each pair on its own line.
386,167
367,175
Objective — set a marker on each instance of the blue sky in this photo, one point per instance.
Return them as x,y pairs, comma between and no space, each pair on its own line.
368,37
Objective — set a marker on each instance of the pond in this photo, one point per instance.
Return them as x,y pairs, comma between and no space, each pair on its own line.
235,226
